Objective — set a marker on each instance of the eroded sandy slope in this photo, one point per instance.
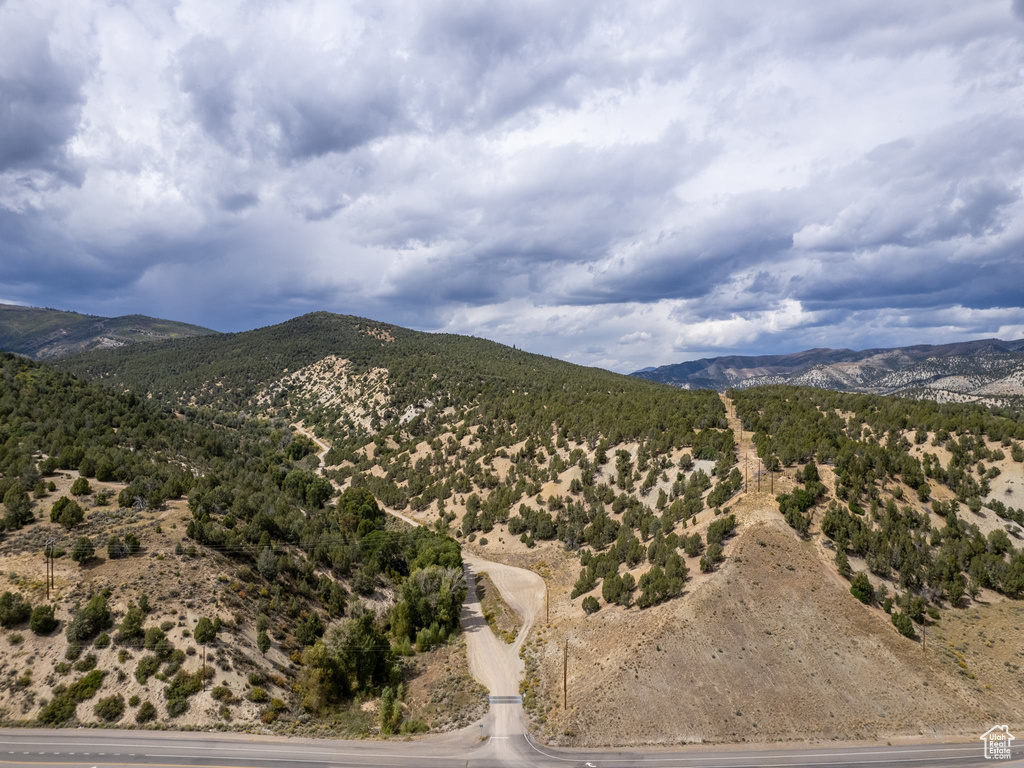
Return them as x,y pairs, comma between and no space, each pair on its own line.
775,648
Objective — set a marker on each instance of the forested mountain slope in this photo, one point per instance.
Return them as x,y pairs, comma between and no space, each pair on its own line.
52,333
905,486
875,580
242,370
466,434
308,604
471,434
987,370
640,504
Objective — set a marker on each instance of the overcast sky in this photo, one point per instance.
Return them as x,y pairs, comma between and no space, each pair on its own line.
617,184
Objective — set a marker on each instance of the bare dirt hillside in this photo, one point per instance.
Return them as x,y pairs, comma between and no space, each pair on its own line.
775,648
182,584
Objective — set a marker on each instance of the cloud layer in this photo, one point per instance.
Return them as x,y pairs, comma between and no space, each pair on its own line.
616,185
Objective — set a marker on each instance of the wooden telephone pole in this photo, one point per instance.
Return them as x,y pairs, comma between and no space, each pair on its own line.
565,674
48,556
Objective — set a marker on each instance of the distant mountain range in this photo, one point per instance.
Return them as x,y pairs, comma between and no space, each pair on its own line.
986,370
52,333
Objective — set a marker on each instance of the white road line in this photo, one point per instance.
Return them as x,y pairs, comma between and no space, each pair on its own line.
782,756
279,760
370,753
889,761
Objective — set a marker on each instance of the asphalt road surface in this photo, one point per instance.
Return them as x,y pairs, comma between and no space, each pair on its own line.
126,749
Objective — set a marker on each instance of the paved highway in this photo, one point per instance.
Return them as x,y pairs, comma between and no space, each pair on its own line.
127,749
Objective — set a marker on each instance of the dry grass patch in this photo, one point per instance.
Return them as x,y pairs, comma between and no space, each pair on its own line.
501,618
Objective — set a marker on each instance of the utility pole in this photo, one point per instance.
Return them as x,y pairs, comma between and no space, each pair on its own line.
547,604
772,473
565,675
746,471
48,555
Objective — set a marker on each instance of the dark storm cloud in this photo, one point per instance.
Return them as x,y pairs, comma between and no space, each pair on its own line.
312,127
628,184
499,60
910,224
46,264
40,98
207,76
897,279
462,66
560,209
238,201
930,223
690,263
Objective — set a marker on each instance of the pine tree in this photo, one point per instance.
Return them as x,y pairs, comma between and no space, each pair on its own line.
390,711
903,624
843,563
860,587
83,551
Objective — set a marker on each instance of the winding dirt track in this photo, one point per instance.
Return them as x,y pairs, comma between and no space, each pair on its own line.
494,663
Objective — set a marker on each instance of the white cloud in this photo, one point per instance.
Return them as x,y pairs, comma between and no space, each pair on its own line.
621,185
742,330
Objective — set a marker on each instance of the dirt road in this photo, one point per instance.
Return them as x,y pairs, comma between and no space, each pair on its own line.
322,454
494,663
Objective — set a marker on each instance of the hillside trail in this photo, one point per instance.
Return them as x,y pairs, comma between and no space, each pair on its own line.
321,454
761,487
494,663
753,505
745,447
